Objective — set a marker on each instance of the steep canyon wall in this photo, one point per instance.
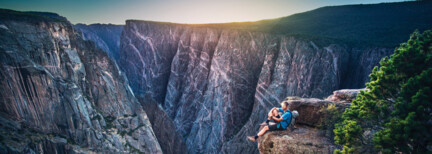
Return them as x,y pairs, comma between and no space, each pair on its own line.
216,84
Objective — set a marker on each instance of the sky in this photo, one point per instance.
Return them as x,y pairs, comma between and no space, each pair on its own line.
179,11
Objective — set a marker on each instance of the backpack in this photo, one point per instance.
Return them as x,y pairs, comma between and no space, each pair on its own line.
294,115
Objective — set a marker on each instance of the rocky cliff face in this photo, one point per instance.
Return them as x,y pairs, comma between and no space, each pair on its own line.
362,61
106,37
163,127
62,94
216,84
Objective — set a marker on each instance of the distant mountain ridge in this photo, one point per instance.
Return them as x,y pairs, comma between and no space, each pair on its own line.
357,25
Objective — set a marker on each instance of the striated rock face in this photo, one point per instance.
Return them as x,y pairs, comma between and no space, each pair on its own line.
163,127
217,84
362,61
62,94
106,37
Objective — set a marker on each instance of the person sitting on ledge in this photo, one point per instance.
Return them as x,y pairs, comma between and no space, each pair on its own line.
282,123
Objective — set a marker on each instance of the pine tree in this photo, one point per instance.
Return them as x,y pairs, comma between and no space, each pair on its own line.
397,108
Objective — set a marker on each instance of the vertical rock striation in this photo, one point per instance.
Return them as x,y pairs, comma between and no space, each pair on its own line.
163,127
61,94
215,83
106,37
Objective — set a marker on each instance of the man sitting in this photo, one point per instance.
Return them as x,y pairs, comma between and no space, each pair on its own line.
281,122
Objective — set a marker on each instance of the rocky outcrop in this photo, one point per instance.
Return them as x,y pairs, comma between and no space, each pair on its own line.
310,110
106,37
344,95
308,135
217,83
61,94
303,139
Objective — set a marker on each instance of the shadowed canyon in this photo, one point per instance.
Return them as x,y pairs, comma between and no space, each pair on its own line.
159,87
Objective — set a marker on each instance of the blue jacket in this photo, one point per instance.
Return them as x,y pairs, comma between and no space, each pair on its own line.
287,118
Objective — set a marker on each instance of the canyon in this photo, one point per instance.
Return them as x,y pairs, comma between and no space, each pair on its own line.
216,84
159,87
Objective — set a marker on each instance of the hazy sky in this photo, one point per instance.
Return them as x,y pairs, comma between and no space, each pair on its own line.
181,11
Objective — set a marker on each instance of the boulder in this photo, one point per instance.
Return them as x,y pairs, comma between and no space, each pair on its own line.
344,95
311,109
308,135
303,139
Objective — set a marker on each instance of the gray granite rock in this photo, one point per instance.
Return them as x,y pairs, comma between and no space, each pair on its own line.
61,94
163,127
106,37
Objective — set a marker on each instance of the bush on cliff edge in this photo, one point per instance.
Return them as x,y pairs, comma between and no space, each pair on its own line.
395,114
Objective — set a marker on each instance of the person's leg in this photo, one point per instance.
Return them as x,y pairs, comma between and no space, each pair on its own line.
276,113
270,114
265,129
273,112
260,133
